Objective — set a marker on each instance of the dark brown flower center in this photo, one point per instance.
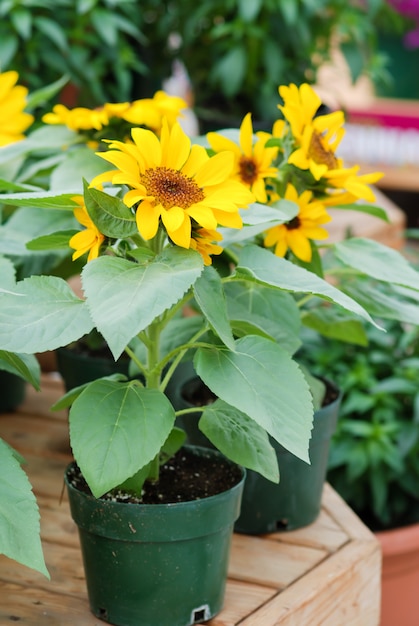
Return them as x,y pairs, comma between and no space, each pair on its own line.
320,154
294,223
171,188
248,170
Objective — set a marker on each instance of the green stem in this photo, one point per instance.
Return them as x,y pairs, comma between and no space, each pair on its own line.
137,361
194,409
180,353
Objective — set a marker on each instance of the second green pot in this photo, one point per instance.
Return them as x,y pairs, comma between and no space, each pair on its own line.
267,507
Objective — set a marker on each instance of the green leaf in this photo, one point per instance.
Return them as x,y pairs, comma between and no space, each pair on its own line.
24,365
43,314
112,217
330,323
105,26
239,438
124,297
376,301
249,9
44,94
126,427
370,209
22,21
44,199
378,261
262,266
173,443
56,241
54,32
257,219
262,380
19,514
209,294
275,313
230,70
79,163
69,398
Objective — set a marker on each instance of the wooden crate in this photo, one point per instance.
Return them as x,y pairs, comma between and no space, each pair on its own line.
327,574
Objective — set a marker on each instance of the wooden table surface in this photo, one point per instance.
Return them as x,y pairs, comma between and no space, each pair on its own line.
327,574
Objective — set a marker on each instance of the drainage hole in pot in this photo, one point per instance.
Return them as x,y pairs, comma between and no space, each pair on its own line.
200,614
281,524
102,613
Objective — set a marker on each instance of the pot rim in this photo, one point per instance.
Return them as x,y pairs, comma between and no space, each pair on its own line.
399,540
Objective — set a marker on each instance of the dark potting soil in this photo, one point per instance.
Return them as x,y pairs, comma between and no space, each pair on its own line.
185,477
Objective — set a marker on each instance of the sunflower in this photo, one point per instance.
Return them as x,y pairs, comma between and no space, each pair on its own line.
350,186
13,120
88,240
317,138
79,118
253,161
203,241
175,184
150,112
296,234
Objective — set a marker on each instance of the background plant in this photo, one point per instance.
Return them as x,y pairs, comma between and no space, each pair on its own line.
110,50
237,52
374,453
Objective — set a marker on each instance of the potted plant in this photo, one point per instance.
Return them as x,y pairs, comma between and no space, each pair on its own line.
167,274
150,235
373,458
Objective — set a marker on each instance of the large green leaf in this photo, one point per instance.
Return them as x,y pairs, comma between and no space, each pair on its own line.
42,314
239,438
24,365
262,266
19,514
262,380
80,163
44,199
125,297
209,294
259,218
378,261
332,323
398,305
112,217
117,428
274,312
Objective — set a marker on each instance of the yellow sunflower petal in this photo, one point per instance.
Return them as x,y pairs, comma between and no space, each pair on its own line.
147,218
216,170
182,236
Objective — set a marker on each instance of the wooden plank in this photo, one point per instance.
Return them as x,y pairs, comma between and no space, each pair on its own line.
342,590
57,525
325,533
241,599
270,563
343,515
43,436
64,564
31,606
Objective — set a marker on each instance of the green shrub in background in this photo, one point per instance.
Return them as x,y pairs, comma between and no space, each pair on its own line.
374,459
238,51
111,50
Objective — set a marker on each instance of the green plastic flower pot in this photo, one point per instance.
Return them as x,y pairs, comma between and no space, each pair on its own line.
295,501
156,564
12,391
266,506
